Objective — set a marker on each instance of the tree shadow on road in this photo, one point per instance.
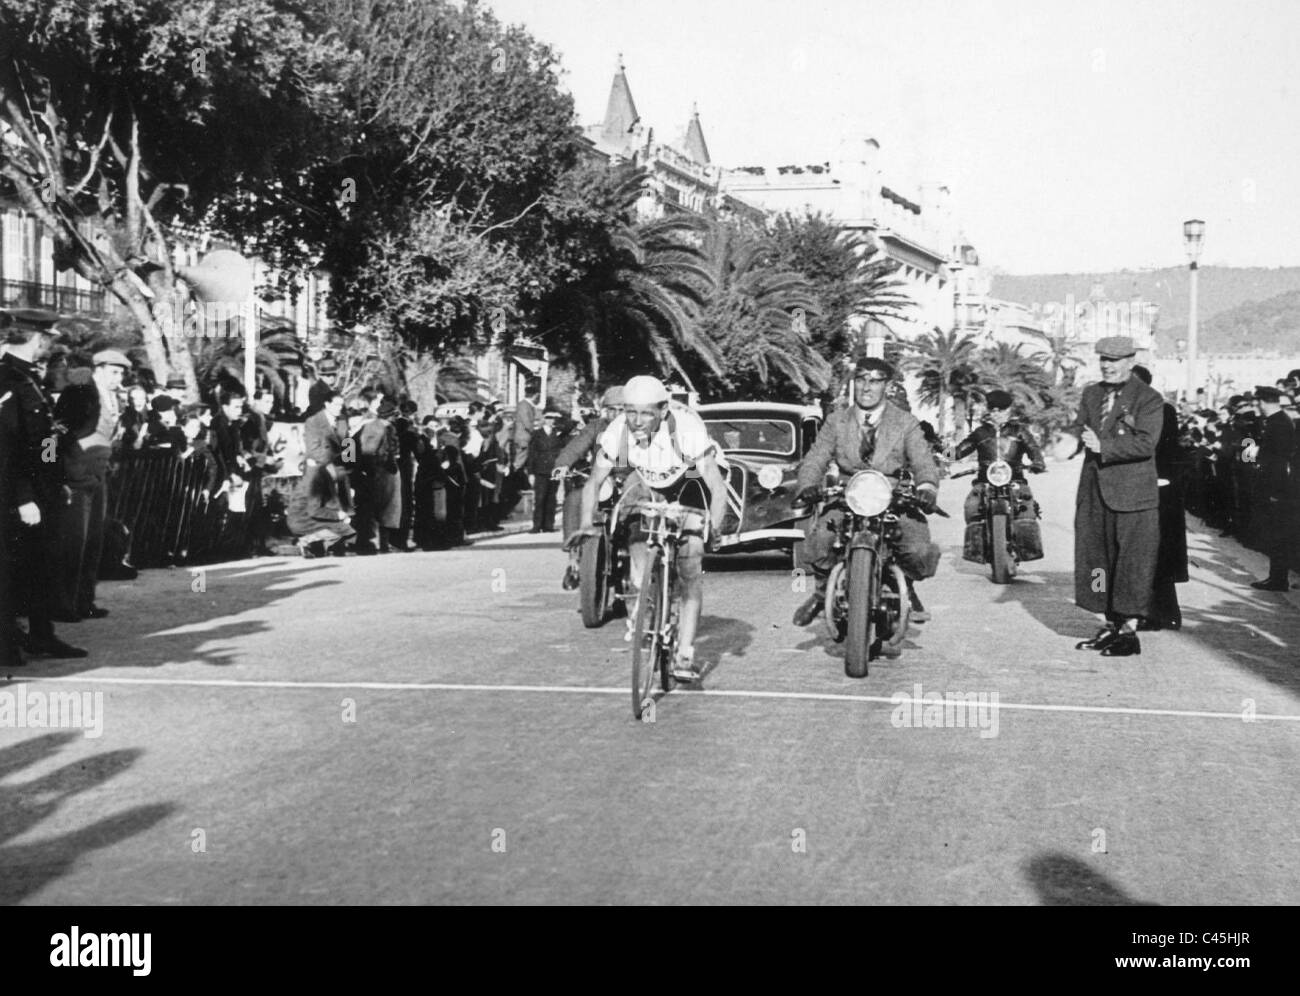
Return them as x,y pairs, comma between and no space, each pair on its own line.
167,616
29,867
1061,880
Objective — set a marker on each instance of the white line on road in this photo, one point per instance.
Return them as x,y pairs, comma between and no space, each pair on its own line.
399,686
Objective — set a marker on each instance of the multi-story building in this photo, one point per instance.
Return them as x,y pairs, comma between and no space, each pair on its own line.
681,174
28,278
914,227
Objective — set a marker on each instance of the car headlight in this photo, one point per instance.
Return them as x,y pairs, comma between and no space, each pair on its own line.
770,477
999,473
869,492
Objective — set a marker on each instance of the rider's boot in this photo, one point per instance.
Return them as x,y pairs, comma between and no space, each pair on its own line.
813,607
919,613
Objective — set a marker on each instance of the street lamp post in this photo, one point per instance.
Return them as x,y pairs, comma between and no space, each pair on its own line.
1193,236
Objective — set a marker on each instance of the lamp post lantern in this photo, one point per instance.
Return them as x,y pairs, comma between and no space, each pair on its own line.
1193,237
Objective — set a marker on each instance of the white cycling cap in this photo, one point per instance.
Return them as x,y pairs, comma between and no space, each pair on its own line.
644,390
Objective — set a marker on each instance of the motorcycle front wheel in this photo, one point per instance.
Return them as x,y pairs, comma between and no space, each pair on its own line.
1004,564
863,597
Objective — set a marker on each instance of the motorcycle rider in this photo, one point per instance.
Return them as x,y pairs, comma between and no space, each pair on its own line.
582,449
999,437
871,433
670,457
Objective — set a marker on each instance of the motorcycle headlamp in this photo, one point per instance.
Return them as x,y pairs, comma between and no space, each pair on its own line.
869,493
999,473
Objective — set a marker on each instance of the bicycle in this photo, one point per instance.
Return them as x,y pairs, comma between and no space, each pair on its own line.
654,638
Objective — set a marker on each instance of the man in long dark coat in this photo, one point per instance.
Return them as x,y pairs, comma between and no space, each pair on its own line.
1276,451
1173,467
1117,518
33,489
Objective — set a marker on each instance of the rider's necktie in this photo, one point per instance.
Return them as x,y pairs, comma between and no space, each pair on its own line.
868,447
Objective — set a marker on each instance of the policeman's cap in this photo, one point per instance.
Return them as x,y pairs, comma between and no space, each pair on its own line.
164,403
30,320
1116,347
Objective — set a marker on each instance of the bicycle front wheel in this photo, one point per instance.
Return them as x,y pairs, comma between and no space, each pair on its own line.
648,635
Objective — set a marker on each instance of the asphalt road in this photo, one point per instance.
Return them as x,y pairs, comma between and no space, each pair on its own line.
440,727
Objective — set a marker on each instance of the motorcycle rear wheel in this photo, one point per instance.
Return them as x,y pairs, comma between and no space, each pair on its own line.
835,608
593,581
863,597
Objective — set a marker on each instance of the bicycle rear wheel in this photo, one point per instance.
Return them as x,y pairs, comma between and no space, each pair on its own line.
647,636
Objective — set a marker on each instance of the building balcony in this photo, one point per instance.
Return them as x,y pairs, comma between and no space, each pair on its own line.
65,300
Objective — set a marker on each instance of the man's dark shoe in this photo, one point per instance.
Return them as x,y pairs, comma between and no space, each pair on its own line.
1104,638
918,613
63,617
1124,645
55,648
95,612
1270,585
809,611
1151,625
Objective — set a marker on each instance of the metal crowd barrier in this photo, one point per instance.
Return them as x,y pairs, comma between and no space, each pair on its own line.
158,497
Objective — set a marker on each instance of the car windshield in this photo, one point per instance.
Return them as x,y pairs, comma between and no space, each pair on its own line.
763,435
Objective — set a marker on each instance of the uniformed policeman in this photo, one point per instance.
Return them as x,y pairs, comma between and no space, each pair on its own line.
1274,456
32,487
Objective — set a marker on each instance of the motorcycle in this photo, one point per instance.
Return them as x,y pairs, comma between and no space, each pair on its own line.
867,606
604,566
999,500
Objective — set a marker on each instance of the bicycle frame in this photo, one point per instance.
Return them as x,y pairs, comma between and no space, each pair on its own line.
655,636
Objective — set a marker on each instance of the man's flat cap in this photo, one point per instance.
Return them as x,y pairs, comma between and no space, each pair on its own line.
1116,347
1271,394
111,358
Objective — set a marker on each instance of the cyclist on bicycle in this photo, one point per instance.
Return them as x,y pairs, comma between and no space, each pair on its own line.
667,455
581,449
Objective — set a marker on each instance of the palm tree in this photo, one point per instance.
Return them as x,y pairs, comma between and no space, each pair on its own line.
757,316
1002,366
641,301
945,363
219,361
1057,356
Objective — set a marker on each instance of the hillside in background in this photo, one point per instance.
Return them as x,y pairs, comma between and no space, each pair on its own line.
1272,325
1256,305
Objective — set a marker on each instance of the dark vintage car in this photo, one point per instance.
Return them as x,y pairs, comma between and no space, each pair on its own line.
763,443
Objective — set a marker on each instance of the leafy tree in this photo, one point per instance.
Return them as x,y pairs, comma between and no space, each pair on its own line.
144,113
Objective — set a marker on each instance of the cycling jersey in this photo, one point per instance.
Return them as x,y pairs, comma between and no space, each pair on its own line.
679,443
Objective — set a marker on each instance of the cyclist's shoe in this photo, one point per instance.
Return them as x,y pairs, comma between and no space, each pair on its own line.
570,580
683,668
809,611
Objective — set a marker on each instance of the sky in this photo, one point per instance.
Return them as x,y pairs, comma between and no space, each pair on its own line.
1074,137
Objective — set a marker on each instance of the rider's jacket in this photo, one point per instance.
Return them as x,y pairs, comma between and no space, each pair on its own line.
661,461
583,446
1012,444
